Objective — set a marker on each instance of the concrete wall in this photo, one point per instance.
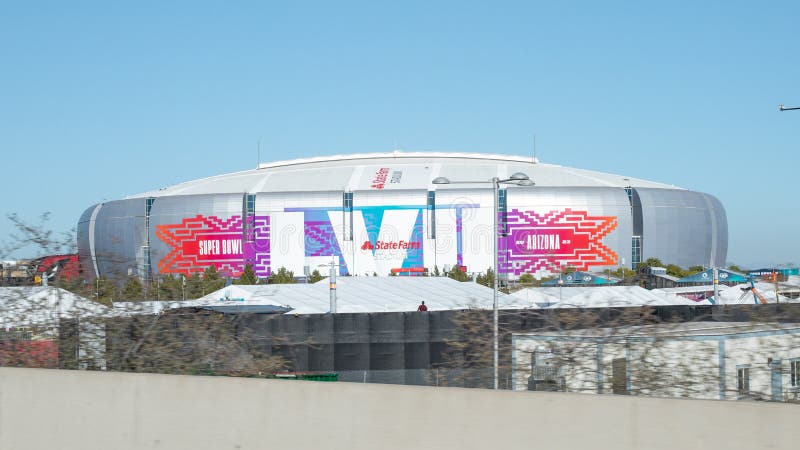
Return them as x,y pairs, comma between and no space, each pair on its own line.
51,409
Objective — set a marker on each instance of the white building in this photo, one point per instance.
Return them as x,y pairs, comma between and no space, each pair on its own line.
709,360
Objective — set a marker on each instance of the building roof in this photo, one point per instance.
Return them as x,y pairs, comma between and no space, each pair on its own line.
723,275
682,330
579,278
414,170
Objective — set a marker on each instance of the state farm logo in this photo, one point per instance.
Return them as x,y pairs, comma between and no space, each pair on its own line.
382,177
379,181
389,245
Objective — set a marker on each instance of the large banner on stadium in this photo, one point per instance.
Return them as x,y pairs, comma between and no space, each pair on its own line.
227,244
553,240
366,241
383,239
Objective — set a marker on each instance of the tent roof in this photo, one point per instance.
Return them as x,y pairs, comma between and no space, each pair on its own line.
353,294
44,306
691,289
601,297
737,295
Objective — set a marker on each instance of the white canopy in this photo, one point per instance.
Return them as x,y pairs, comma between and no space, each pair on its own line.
354,294
740,294
601,297
44,306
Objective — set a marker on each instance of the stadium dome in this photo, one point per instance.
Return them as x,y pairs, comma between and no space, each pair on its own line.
389,213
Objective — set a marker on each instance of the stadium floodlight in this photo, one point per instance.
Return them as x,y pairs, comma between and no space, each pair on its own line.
517,179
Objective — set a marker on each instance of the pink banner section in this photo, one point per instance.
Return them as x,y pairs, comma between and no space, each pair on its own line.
202,241
555,240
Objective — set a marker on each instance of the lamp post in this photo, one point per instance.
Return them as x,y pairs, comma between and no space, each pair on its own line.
518,179
783,108
332,283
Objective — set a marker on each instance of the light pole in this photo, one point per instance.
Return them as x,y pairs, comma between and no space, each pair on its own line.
783,108
332,283
519,179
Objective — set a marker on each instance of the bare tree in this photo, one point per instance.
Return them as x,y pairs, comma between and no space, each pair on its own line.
38,236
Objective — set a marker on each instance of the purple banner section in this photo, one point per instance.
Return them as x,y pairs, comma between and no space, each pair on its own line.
459,237
256,246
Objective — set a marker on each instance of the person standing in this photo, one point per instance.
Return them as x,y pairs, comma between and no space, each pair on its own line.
422,307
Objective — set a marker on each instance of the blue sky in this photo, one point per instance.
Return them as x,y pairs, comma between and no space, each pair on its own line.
101,100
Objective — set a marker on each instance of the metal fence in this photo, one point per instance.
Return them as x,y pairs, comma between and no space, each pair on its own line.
444,348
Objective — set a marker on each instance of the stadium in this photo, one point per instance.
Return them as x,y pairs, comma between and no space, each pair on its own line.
383,214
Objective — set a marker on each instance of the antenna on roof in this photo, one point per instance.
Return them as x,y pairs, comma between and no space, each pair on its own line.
534,161
259,154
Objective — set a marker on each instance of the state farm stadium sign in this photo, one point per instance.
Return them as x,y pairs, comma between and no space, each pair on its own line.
386,245
384,176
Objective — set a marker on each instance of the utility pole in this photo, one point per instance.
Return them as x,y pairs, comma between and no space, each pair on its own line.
775,280
332,281
495,281
715,276
517,179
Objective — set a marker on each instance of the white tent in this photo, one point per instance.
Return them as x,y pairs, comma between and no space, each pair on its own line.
376,294
740,294
353,294
32,306
271,298
601,297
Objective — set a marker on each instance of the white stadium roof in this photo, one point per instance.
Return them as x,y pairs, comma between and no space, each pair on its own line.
417,170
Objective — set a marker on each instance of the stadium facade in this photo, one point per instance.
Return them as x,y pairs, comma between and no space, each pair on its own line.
382,213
